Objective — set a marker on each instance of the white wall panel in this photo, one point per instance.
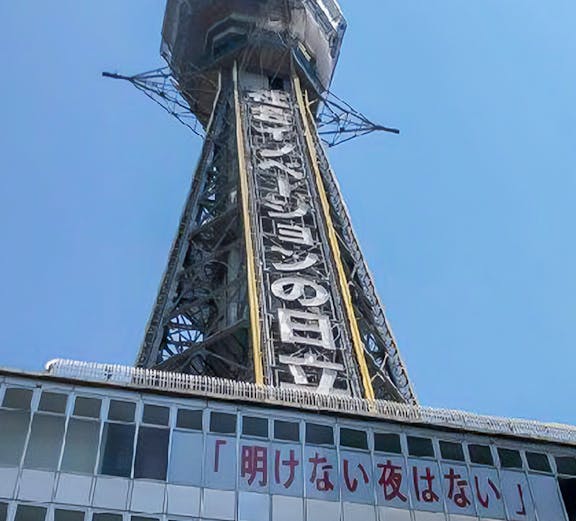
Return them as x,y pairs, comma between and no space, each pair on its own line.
183,501
420,515
8,476
359,512
357,482
393,514
148,497
253,506
286,508
321,473
488,491
458,489
73,489
517,496
219,504
111,493
547,498
317,510
220,462
255,461
458,517
36,485
426,485
287,476
391,481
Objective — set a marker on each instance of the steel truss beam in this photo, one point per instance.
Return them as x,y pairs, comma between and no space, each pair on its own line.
198,324
337,121
388,372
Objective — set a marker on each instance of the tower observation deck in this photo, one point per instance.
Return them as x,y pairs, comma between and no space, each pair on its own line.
266,282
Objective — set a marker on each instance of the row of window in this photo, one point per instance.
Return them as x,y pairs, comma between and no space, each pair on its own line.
83,435
38,513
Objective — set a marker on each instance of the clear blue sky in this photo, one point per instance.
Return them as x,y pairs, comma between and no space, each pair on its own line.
467,218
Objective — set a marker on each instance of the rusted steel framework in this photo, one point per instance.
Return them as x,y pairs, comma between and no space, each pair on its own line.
266,282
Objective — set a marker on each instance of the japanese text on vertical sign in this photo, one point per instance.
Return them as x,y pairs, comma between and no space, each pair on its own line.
302,304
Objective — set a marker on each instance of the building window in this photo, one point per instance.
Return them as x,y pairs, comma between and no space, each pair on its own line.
104,516
53,402
81,446
189,419
121,411
3,511
16,398
387,442
319,434
152,453
480,454
225,45
222,423
286,431
87,407
538,461
451,451
353,438
61,514
253,426
568,490
118,448
276,83
30,513
509,458
566,465
46,437
13,432
141,518
156,415
420,447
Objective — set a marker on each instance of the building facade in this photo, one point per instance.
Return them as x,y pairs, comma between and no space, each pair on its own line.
103,443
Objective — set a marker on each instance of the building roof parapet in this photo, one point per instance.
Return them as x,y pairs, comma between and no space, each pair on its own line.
219,388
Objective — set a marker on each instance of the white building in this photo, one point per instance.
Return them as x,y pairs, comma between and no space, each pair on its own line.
108,443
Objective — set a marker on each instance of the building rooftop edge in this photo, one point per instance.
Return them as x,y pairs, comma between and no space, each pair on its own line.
216,388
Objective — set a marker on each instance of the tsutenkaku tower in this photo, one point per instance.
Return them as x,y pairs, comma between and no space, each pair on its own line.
266,282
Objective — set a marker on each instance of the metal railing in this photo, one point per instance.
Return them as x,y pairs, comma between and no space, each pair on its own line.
219,388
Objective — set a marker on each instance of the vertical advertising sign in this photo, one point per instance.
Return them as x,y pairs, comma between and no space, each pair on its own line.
306,340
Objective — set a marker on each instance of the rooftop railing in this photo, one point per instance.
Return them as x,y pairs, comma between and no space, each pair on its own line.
301,399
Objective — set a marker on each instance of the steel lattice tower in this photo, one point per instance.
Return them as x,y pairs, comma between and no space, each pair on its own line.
266,282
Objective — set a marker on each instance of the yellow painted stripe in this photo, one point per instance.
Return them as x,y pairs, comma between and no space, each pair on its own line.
333,239
250,263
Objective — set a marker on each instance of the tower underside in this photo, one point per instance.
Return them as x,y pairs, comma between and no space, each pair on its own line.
265,281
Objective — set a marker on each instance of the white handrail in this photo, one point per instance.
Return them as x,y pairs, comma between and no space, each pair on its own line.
301,399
